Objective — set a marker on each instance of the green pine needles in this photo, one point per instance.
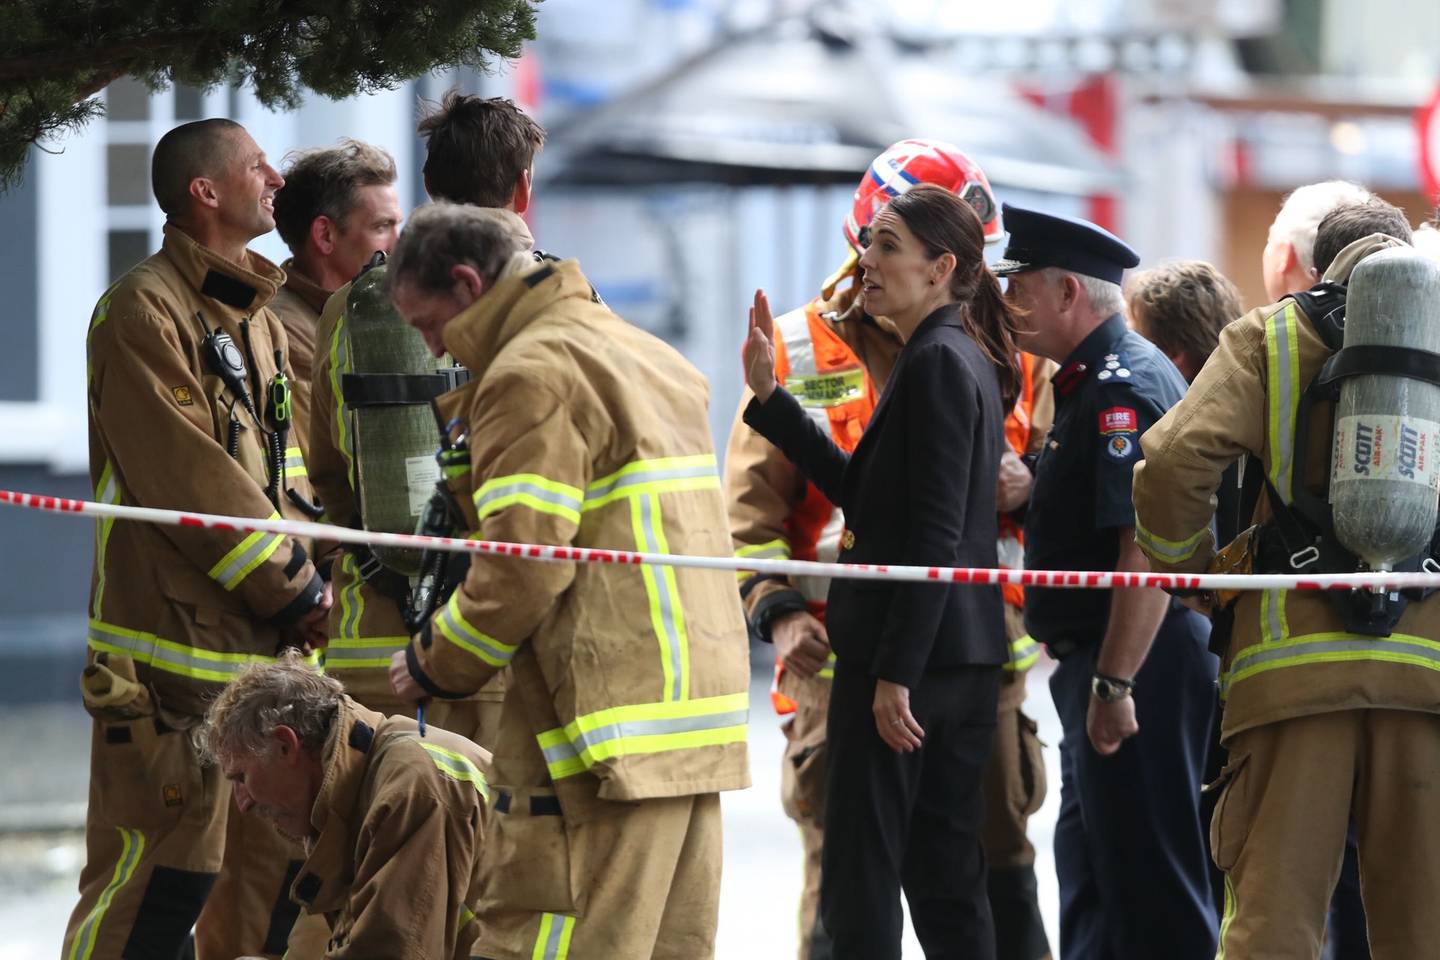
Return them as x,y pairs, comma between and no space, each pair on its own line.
55,55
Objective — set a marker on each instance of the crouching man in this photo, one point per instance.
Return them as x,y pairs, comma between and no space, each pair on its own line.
392,821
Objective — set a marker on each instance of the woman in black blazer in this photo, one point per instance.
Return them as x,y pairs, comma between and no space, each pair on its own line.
912,710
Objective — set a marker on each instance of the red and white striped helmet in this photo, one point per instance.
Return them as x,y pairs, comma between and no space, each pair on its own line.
921,161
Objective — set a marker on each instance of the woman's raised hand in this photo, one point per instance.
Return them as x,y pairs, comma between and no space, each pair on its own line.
759,352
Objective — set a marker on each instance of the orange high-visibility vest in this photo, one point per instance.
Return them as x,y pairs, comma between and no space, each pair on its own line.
1011,545
817,367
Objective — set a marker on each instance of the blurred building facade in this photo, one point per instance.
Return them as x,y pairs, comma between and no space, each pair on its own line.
1207,114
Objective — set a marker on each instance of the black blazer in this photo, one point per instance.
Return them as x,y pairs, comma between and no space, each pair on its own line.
919,489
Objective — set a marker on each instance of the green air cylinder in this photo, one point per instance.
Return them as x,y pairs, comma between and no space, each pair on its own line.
390,381
1385,462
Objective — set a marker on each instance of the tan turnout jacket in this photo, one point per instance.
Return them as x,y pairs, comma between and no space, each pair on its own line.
625,682
298,304
191,606
1289,655
400,822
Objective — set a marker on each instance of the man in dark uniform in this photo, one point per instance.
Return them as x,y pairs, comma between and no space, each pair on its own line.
1135,687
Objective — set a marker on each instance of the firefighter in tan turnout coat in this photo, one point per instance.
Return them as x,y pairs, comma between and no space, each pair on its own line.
176,612
1325,727
393,820
626,706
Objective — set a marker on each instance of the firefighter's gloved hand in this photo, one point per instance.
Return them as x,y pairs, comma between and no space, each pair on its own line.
313,629
801,642
402,683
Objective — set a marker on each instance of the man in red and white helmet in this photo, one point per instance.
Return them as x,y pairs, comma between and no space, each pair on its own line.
835,359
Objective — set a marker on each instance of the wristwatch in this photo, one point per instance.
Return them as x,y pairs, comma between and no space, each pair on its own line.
1110,689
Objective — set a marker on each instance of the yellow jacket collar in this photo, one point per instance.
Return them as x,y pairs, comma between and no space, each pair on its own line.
245,288
523,290
303,287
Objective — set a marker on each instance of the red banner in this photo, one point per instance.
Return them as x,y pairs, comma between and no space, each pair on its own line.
1427,132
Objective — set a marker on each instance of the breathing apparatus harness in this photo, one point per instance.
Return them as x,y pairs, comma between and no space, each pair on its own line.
1300,537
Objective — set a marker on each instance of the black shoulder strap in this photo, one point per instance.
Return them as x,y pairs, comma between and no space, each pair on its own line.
391,389
1391,361
1324,304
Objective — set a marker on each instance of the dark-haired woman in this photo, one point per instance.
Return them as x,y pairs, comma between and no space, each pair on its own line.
912,712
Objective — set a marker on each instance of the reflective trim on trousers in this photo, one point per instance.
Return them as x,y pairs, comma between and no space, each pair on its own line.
553,942
132,849
1228,918
643,729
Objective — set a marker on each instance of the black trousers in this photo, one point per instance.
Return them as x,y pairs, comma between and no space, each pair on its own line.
911,821
1130,848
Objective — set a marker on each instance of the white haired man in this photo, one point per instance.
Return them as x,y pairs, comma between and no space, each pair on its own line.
392,820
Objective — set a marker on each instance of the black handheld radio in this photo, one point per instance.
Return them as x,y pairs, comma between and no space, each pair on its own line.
224,359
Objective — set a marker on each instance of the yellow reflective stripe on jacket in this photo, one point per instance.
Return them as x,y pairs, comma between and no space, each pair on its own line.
643,729
359,653
457,767
132,850
827,672
1229,918
1168,551
172,657
101,313
667,617
248,554
531,490
770,550
348,650
1274,625
1332,648
459,631
339,366
295,463
106,491
1282,358
1023,654
553,941
663,475
352,599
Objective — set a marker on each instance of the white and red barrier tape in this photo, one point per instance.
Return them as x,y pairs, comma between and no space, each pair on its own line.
1099,580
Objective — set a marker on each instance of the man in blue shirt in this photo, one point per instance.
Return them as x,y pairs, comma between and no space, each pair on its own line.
1135,686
